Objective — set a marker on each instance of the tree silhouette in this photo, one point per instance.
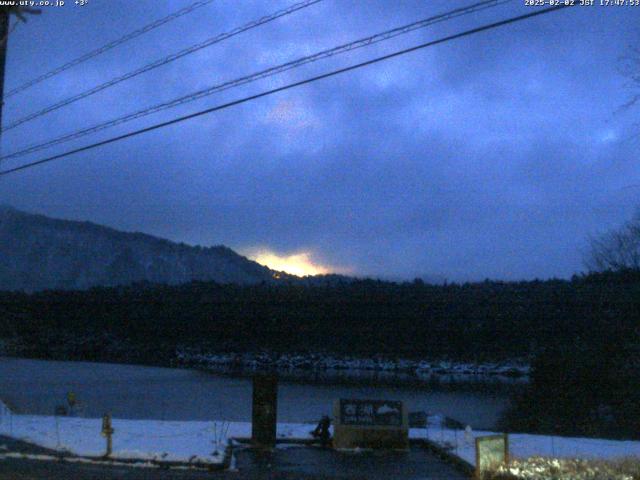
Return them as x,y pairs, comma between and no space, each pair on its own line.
617,250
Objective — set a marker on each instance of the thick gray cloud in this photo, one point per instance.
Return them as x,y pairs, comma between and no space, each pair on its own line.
491,156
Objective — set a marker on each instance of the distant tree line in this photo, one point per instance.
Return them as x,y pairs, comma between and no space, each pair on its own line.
474,321
582,335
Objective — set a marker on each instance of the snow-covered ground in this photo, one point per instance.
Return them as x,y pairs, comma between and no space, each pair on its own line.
205,442
523,446
160,441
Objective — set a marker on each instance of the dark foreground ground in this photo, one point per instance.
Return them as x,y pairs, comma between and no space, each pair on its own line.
282,464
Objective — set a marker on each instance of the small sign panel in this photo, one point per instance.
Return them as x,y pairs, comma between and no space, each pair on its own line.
491,452
371,413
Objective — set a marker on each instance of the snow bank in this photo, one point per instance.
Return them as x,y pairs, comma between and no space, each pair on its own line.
523,446
570,469
205,442
162,441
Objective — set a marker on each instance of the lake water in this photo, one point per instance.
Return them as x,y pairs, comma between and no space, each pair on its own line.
133,391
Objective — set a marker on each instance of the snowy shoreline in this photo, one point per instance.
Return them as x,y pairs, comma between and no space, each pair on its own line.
422,369
206,442
512,371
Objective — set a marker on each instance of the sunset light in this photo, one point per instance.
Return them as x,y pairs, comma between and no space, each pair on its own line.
299,263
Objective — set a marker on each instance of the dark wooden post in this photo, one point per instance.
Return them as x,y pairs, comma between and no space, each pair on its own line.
265,410
107,431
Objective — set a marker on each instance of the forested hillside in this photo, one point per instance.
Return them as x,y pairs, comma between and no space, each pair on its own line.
37,253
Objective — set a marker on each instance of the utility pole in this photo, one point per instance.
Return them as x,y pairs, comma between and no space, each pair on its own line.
4,41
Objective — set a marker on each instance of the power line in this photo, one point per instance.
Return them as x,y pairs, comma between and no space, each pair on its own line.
109,46
386,35
163,61
287,87
5,30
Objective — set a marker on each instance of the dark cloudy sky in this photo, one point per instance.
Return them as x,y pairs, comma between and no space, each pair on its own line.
497,155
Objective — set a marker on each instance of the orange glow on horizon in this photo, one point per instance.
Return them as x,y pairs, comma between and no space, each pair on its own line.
300,264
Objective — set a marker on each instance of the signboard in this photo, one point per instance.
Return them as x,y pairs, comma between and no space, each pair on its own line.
491,452
370,424
371,412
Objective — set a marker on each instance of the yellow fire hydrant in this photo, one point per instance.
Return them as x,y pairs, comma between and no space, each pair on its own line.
107,431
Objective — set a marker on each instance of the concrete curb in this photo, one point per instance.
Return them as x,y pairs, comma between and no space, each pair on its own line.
65,458
30,450
280,441
446,455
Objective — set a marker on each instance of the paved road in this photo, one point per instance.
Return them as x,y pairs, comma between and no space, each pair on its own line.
417,464
46,470
282,464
